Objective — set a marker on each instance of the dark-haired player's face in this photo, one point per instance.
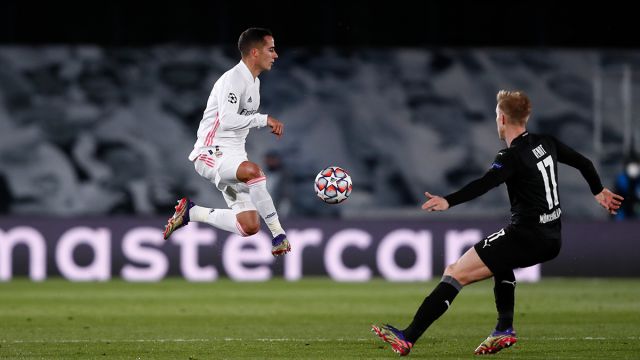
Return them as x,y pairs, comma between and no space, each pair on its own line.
267,53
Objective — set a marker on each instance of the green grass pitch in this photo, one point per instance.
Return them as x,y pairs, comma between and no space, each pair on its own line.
309,319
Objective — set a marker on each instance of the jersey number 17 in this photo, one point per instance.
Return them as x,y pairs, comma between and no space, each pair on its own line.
550,188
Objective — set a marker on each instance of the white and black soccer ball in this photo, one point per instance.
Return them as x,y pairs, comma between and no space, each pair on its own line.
333,185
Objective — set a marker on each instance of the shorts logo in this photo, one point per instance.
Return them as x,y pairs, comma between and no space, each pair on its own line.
270,215
490,238
232,98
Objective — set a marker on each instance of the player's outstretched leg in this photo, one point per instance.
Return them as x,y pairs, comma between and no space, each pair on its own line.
497,341
393,337
180,218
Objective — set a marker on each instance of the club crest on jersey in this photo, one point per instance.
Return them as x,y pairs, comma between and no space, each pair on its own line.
249,99
232,98
218,153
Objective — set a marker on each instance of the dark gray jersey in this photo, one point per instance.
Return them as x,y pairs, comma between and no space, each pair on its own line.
529,167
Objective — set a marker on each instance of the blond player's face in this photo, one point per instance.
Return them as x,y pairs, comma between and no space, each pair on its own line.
499,124
267,53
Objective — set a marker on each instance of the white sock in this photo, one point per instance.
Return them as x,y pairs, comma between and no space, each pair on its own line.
223,219
263,202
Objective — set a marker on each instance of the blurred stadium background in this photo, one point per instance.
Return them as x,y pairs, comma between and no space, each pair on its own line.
99,104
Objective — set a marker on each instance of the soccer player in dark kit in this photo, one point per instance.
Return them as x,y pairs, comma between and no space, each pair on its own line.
529,167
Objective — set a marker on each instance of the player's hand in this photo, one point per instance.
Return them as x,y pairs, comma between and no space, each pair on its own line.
435,203
609,200
277,127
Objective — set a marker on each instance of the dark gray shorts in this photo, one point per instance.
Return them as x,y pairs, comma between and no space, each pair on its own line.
519,246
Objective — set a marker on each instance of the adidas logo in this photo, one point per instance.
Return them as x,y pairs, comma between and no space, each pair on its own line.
249,99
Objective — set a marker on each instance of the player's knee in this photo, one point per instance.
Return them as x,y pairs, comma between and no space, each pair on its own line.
251,171
250,227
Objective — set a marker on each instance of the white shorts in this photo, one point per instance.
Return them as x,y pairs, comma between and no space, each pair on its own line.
221,171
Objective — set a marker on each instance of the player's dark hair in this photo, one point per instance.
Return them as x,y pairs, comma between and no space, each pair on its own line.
515,104
250,37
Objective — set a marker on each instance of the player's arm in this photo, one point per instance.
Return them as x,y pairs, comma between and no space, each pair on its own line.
228,105
569,156
605,197
500,171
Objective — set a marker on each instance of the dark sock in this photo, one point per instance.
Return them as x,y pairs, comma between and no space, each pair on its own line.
504,290
432,308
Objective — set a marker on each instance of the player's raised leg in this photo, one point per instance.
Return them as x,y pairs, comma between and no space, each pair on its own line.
251,174
224,219
233,219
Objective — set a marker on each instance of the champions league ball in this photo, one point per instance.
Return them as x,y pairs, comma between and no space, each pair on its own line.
333,185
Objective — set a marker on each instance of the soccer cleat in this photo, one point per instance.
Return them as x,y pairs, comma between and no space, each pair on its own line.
280,245
393,337
497,341
180,218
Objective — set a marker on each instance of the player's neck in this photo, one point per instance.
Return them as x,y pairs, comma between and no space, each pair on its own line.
511,133
253,68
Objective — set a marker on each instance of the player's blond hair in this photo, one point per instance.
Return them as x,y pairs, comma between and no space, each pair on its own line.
515,105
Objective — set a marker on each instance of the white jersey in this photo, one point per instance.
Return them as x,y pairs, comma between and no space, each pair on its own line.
232,109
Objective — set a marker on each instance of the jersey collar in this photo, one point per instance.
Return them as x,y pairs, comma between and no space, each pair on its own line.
519,138
246,73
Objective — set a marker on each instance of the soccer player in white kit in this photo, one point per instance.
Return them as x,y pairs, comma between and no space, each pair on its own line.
219,154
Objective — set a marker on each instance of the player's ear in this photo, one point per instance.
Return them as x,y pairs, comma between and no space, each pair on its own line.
254,52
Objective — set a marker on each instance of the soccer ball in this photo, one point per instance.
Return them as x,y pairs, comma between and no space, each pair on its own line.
333,185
